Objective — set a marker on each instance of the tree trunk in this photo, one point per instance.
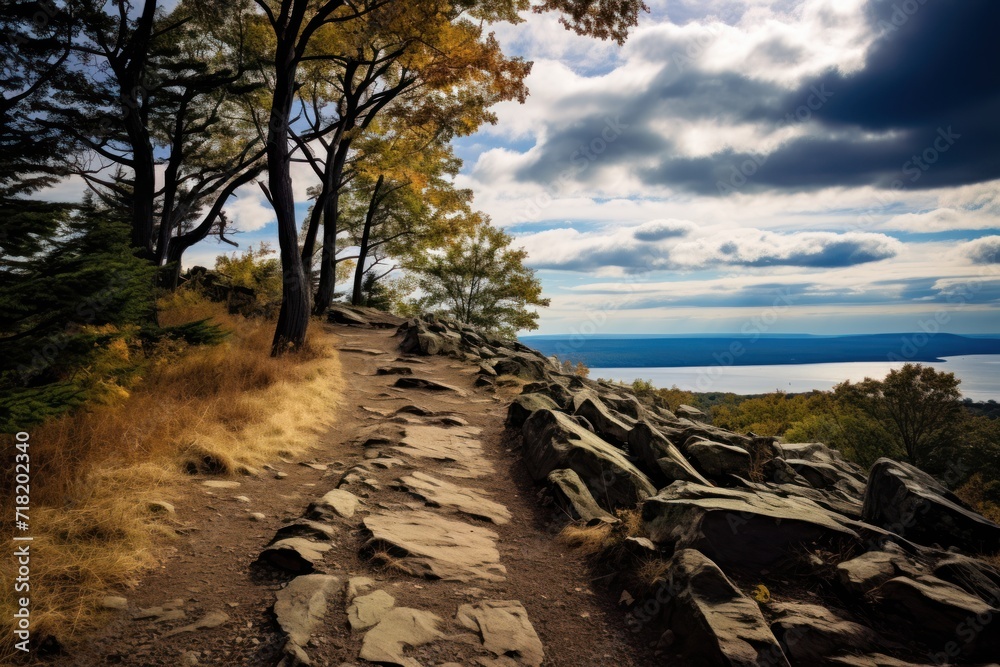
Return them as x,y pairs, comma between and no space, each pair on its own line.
293,319
359,270
129,69
331,209
328,267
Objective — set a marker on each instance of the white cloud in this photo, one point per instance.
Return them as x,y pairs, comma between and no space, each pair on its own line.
250,211
985,250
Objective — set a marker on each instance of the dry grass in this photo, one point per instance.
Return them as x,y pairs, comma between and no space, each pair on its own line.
589,540
606,541
219,410
384,562
650,572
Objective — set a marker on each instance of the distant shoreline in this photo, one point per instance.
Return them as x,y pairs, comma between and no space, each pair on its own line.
980,376
774,350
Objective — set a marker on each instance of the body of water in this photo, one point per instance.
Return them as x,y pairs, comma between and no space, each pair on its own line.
979,373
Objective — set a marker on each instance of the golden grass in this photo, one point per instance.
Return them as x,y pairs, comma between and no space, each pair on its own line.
219,410
604,540
651,571
588,540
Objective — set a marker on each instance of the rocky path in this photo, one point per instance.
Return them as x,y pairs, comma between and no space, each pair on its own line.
412,538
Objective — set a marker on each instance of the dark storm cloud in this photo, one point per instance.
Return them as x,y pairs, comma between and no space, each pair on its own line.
921,113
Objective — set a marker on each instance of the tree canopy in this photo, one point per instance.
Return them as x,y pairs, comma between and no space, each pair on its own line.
481,280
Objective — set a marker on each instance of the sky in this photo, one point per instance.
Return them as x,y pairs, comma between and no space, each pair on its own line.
772,166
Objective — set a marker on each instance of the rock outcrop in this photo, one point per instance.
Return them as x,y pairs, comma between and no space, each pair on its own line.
729,513
909,502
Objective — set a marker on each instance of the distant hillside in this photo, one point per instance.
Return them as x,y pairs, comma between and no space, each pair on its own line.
641,351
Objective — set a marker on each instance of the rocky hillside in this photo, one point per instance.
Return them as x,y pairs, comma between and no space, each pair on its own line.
770,553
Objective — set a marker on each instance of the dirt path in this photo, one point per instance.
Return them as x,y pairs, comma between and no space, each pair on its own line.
439,493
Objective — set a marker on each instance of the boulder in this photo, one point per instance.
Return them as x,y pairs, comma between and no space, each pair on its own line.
973,576
553,440
690,412
810,633
525,405
521,365
777,470
558,393
716,459
909,502
610,427
417,340
710,622
338,502
939,615
662,460
342,315
575,498
819,475
295,554
872,569
743,527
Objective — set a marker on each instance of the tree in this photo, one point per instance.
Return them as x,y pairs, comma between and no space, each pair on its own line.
83,275
481,280
919,406
295,23
412,205
148,89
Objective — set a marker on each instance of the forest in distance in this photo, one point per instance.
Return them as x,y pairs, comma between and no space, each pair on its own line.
705,350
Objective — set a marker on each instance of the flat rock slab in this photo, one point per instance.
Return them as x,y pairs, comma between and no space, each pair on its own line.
212,619
295,554
445,494
114,602
362,350
168,611
398,629
436,547
424,383
220,484
456,445
366,611
301,605
504,628
338,502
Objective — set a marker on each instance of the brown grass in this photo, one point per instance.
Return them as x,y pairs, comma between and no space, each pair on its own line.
219,410
650,572
589,540
604,540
